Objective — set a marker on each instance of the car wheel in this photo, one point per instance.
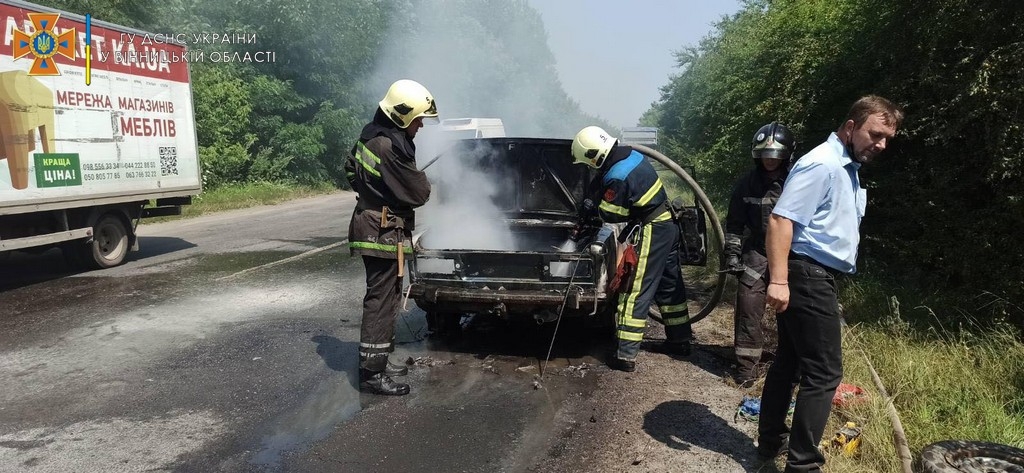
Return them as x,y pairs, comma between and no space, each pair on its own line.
950,456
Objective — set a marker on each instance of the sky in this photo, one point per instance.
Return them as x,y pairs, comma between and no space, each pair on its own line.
614,55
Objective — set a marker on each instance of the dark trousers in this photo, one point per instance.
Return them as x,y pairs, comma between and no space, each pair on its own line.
747,334
658,279
809,354
380,307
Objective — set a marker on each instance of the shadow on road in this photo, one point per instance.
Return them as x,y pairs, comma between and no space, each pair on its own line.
19,269
484,335
159,246
338,355
683,425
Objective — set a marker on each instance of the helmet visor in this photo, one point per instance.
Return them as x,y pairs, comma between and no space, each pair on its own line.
772,154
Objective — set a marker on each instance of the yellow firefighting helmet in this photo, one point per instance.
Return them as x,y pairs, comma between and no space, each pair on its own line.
591,146
408,100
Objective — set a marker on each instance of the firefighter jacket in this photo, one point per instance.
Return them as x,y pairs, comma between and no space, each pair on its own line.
381,169
753,199
631,190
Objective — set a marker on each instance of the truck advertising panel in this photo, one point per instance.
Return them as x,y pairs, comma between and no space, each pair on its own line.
88,110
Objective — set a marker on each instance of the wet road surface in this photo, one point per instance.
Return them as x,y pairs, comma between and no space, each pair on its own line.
211,350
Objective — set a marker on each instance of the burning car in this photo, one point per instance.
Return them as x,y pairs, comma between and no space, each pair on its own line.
495,238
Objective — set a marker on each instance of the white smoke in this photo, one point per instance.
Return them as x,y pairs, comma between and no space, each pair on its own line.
476,63
462,212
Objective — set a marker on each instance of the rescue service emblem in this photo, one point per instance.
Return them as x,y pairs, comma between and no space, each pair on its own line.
609,195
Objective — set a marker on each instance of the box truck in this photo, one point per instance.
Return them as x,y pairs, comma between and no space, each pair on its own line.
96,132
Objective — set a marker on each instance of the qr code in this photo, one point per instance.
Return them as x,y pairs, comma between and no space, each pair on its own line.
168,161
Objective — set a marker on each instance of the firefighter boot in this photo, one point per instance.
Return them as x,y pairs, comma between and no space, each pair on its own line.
617,363
380,383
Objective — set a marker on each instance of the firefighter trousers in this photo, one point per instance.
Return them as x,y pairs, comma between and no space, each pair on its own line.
748,334
658,279
380,308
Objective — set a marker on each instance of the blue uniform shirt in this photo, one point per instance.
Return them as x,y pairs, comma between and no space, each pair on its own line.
823,198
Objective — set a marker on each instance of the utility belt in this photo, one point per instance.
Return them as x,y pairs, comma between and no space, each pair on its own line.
647,218
808,259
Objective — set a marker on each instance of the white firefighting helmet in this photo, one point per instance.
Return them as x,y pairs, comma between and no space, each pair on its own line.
408,100
591,146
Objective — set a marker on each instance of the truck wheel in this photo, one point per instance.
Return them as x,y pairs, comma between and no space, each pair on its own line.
109,244
950,456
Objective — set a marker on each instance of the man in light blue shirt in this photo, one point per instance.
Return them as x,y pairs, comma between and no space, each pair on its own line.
813,234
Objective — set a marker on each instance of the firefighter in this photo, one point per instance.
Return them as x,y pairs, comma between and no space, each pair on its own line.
630,191
382,171
753,199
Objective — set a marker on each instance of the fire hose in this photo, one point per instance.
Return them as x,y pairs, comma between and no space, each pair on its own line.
716,226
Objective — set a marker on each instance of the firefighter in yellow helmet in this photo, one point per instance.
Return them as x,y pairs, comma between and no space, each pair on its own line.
382,170
630,191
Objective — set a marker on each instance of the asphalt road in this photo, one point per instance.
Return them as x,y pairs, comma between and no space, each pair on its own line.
229,343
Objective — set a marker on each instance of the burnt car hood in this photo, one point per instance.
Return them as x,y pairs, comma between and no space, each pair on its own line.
533,178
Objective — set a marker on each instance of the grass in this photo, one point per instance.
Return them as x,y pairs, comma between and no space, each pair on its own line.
239,196
965,383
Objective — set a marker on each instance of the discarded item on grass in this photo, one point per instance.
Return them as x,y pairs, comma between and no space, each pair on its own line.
750,409
848,395
847,439
950,456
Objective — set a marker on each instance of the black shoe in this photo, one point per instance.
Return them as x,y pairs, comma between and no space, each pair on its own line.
396,370
380,383
616,363
766,454
676,348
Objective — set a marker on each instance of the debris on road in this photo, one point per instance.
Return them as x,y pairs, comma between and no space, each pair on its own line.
579,370
430,361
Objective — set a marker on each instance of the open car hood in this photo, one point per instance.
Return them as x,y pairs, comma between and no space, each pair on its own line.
533,178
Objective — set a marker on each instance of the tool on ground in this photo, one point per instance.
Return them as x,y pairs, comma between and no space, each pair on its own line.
847,439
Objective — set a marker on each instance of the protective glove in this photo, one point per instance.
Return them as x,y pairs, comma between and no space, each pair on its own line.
733,265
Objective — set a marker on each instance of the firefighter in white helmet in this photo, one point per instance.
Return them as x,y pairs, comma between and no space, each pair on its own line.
382,170
629,190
